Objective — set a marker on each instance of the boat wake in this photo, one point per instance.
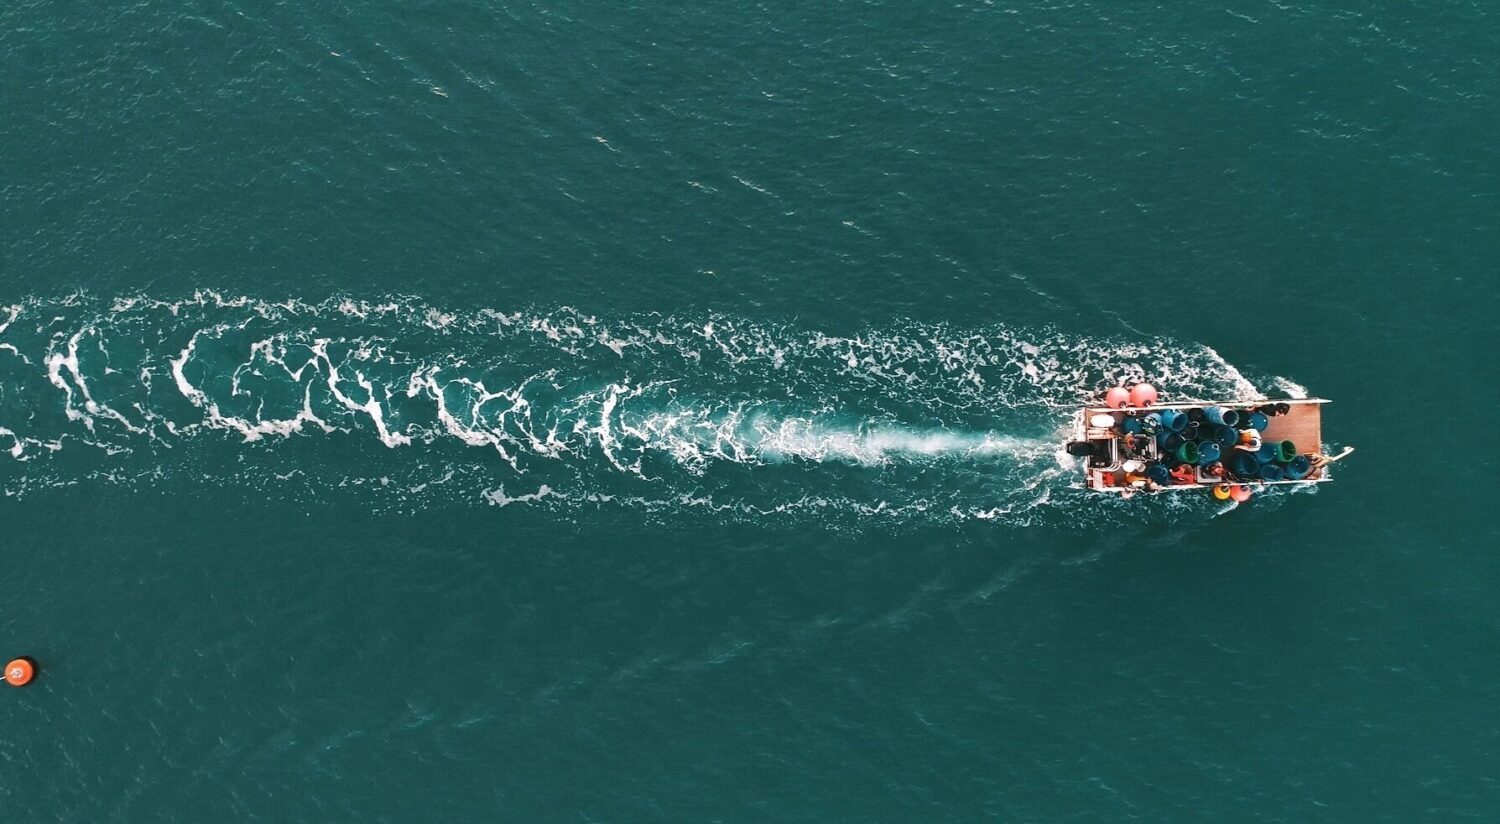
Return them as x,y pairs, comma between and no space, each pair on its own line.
558,410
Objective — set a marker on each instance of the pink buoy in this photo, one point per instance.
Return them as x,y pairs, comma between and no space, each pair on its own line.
1142,394
1240,494
1117,397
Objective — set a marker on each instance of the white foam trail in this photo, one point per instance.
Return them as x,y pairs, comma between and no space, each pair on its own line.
1244,389
426,382
184,386
370,407
499,498
799,438
216,419
14,311
16,447
609,445
1290,387
56,363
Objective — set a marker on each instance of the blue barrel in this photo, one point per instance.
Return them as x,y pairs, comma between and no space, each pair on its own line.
1161,439
1244,464
1214,414
1259,421
1267,453
1271,472
1173,420
1299,468
1159,474
1131,425
1230,417
1192,431
1208,452
1226,435
1188,452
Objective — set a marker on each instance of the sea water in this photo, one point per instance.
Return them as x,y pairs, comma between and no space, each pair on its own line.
490,411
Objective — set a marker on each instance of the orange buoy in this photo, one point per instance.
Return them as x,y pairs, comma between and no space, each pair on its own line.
1239,493
18,673
1117,397
1142,394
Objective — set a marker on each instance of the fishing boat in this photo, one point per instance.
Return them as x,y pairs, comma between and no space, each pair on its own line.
1131,442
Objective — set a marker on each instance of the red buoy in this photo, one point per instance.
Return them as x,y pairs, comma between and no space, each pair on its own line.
18,673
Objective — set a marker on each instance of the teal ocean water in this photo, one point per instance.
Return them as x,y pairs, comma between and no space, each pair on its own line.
484,411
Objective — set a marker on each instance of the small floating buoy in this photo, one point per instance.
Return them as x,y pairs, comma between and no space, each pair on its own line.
1142,394
1221,492
1239,493
1117,397
18,673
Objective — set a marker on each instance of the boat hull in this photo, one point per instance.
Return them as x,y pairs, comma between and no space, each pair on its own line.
1119,456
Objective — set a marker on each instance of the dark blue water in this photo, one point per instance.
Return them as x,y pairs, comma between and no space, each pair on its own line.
479,411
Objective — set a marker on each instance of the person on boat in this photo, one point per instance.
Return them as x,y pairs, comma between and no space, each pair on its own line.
1319,463
1135,483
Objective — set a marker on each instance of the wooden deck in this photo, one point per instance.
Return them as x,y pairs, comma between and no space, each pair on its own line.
1303,426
